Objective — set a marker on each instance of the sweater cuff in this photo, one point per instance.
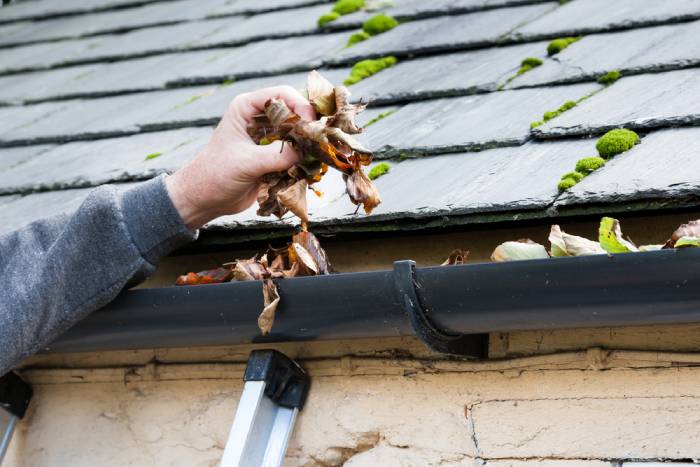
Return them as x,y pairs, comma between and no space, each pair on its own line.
155,226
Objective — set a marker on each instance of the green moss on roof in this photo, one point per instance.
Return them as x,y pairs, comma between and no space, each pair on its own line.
609,78
589,164
578,176
536,124
379,117
366,68
566,183
153,155
528,64
557,45
378,24
357,37
379,170
345,7
327,18
227,82
615,142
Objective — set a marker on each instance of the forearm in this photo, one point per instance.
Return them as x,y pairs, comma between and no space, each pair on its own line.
58,271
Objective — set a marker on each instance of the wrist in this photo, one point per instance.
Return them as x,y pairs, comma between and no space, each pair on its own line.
185,198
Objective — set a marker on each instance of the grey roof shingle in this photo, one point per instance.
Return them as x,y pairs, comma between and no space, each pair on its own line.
460,146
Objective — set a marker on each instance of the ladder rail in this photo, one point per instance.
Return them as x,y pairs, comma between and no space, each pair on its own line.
274,392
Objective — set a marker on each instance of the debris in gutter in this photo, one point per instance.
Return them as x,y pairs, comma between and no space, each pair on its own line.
458,256
610,241
325,142
302,257
519,250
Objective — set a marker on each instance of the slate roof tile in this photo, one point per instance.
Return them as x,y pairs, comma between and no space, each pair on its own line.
93,163
645,101
631,52
444,33
467,123
665,166
586,16
445,92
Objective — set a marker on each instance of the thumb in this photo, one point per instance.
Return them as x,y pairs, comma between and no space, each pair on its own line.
276,157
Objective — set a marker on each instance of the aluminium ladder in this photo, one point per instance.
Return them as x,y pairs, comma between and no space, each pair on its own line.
274,392
14,400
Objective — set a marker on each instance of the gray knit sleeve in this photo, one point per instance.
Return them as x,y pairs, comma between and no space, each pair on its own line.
58,270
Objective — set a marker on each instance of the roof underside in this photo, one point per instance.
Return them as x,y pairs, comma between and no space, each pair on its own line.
88,89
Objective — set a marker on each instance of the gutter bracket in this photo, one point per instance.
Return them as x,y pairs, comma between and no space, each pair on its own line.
435,338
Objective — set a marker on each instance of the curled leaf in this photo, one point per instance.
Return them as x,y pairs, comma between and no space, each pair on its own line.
321,94
687,241
458,256
344,119
293,198
520,250
564,244
209,276
308,252
610,237
687,232
271,299
249,270
362,191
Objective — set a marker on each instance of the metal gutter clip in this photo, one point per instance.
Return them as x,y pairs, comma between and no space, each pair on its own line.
437,339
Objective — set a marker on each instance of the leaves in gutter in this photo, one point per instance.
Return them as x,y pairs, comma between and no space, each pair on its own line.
323,143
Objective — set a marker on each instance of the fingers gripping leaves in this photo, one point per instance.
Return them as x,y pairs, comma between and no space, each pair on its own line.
323,143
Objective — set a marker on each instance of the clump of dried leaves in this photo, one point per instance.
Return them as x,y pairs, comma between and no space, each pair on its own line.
302,257
326,142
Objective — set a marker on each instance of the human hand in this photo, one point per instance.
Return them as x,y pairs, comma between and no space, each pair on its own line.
224,176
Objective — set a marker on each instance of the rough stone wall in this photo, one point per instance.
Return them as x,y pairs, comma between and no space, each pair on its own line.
581,409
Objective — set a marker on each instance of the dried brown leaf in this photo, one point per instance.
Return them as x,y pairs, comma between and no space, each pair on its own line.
209,276
293,198
344,118
271,299
689,230
458,256
362,190
249,270
320,93
306,250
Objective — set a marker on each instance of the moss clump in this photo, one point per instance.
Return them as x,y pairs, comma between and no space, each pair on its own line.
378,24
327,18
615,142
366,68
578,176
379,170
379,117
589,164
566,183
557,45
227,82
534,125
153,155
528,64
609,78
345,7
357,37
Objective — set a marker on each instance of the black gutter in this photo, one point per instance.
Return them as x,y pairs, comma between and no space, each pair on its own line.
440,304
